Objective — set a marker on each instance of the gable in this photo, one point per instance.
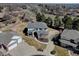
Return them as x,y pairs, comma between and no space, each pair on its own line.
36,25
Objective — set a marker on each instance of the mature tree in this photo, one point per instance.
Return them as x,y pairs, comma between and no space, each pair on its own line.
75,24
24,6
40,17
67,20
57,21
43,18
49,22
35,10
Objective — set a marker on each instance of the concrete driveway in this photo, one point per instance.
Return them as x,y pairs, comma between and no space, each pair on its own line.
23,49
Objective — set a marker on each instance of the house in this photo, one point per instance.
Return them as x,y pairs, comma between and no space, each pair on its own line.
1,54
70,39
37,29
9,40
1,16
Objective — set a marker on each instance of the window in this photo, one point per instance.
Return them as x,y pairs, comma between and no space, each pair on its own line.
30,33
78,43
77,47
30,29
0,46
36,28
40,28
72,41
45,28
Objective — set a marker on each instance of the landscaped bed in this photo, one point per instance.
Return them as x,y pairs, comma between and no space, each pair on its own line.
36,44
61,51
43,40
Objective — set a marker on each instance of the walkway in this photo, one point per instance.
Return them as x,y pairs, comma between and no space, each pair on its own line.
50,45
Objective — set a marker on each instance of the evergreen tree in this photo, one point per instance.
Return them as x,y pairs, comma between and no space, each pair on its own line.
75,24
49,22
40,18
67,20
43,18
57,21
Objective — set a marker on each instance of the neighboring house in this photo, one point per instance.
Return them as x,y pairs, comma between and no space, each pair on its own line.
1,16
70,39
1,54
9,40
37,29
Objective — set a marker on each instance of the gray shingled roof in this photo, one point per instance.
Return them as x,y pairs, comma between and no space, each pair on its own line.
36,25
70,34
68,43
1,54
5,37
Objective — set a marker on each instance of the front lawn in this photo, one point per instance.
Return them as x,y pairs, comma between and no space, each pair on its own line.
61,51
